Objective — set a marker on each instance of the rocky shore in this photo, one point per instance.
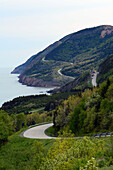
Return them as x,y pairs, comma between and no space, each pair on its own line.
34,82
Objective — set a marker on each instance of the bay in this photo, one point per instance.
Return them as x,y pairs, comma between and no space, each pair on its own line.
11,88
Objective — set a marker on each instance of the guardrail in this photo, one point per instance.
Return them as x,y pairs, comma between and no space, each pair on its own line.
102,135
40,124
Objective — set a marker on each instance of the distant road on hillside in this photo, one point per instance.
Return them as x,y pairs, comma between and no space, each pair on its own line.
59,71
94,78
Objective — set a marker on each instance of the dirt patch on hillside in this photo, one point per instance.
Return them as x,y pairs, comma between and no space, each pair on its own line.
107,30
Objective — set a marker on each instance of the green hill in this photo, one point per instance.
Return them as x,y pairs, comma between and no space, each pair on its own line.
89,111
84,113
105,70
70,56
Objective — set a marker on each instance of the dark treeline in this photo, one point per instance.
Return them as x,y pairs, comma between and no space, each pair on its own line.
28,103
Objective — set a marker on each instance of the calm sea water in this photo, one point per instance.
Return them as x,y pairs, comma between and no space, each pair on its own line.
11,88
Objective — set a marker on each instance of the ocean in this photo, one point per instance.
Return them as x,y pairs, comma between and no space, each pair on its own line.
11,88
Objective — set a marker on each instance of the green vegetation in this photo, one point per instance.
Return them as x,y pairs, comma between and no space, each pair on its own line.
6,127
51,131
19,153
89,112
28,103
82,114
105,69
13,123
77,85
77,154
22,153
74,54
86,48
47,72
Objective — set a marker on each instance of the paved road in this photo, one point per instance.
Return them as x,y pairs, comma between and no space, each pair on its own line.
59,72
38,132
43,59
94,83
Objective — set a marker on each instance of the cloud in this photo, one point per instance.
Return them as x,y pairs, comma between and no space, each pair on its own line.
53,22
48,5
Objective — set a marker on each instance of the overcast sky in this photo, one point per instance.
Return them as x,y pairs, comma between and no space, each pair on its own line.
28,26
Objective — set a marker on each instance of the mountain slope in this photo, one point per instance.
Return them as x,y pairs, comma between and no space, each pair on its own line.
72,55
78,84
32,60
105,69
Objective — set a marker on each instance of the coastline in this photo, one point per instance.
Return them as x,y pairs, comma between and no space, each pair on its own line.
11,88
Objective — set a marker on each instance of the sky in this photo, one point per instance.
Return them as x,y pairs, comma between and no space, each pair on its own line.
28,26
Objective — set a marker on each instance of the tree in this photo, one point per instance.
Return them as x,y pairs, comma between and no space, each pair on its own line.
5,126
109,93
103,88
32,119
20,121
75,121
38,151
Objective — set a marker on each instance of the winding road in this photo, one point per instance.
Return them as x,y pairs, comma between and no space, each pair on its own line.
38,132
94,83
59,71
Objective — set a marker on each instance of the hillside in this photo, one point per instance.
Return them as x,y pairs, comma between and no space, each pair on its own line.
81,114
72,56
78,84
26,104
105,69
84,114
87,113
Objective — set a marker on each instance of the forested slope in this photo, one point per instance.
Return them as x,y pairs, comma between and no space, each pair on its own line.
26,104
74,54
105,69
88,112
85,113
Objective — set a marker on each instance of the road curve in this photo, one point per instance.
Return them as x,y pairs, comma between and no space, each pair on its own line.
59,71
38,132
94,83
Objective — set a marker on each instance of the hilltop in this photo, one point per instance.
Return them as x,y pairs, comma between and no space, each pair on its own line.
68,58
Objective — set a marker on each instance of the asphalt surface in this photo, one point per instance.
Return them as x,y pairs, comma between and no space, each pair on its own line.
59,72
38,132
94,83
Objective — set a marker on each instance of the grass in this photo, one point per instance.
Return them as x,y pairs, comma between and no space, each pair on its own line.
106,168
18,152
51,132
